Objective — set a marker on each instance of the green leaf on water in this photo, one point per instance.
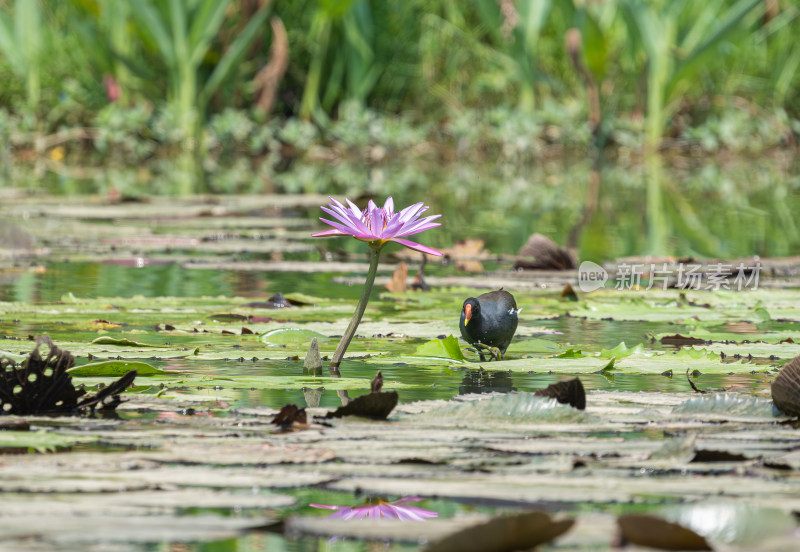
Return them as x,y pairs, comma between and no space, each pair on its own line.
114,368
12,356
621,351
285,336
571,353
40,441
122,342
441,348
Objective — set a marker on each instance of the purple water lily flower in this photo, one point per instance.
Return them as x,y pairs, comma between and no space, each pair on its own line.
379,225
378,508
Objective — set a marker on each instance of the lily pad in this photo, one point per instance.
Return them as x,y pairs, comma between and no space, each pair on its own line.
441,348
115,368
122,342
293,336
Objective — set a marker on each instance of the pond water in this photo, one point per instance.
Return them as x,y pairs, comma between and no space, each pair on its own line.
173,277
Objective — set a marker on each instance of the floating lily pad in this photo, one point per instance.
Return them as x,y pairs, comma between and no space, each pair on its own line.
114,368
293,336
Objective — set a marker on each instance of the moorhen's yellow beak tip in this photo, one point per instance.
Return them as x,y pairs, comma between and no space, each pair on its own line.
467,314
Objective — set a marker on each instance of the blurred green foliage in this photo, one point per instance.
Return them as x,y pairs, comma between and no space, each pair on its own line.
176,86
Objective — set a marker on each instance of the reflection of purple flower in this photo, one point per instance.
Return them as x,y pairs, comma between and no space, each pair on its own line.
379,225
377,508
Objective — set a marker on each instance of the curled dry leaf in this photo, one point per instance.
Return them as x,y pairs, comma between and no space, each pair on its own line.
377,383
399,280
786,388
655,532
569,392
542,253
377,406
289,416
44,385
505,534
679,339
466,254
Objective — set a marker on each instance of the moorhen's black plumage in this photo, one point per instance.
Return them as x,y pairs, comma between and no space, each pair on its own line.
488,322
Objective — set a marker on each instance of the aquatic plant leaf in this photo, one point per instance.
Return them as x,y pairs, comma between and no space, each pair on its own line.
294,336
727,405
520,407
644,530
622,351
114,368
123,342
505,534
441,348
571,353
41,441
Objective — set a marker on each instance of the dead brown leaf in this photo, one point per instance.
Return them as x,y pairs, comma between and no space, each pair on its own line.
542,253
505,534
643,530
399,281
569,392
466,254
786,388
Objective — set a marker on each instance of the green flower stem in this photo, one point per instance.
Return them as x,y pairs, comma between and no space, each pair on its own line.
375,254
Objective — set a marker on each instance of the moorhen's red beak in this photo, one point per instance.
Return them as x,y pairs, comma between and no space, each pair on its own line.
467,314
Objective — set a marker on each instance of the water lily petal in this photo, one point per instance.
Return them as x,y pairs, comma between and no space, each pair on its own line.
344,219
355,210
407,499
341,227
328,506
335,205
419,226
417,246
388,206
416,514
333,232
409,212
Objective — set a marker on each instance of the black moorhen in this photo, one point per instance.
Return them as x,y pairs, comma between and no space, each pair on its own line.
489,321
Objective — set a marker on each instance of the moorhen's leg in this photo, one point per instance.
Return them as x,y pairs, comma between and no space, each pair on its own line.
496,354
479,348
